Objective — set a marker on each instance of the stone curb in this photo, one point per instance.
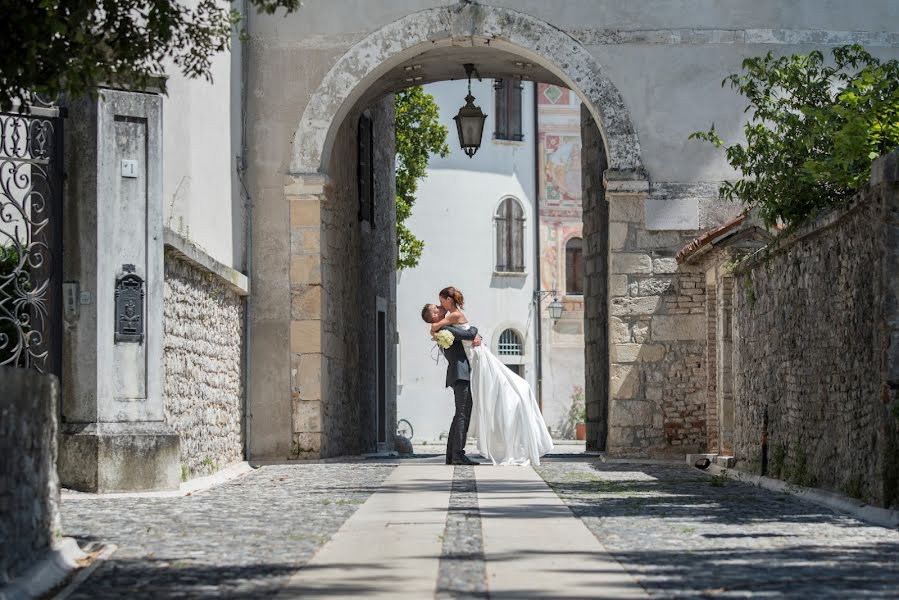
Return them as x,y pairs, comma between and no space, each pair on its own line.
185,489
48,572
82,575
864,512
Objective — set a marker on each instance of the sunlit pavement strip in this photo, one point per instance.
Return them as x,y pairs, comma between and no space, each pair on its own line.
535,547
390,547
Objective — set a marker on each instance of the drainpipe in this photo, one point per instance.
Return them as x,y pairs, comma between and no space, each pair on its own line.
538,326
241,166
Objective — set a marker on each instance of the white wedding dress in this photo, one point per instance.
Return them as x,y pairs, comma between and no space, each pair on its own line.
505,418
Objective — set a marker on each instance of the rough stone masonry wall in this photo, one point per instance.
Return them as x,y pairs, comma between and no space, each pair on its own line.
810,336
203,365
29,487
596,260
378,279
357,265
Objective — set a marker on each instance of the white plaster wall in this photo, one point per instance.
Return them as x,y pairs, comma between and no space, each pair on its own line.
200,142
454,216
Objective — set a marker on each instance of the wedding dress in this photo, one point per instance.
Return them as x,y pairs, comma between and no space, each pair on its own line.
505,420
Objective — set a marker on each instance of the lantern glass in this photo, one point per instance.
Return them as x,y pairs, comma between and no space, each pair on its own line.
470,126
555,309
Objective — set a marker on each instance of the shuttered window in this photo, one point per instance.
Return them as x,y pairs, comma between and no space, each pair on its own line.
507,95
510,237
574,266
365,170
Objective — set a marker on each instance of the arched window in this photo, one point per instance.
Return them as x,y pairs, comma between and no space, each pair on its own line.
509,344
574,266
510,237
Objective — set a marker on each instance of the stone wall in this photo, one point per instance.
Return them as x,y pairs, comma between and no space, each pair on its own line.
203,367
815,345
335,300
596,267
377,289
657,330
29,487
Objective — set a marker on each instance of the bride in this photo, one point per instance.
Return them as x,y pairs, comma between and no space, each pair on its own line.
506,420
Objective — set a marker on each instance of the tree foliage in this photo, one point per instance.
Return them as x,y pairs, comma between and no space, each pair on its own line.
418,135
48,47
813,131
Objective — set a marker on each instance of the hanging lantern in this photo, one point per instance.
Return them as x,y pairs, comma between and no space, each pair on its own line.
555,309
470,120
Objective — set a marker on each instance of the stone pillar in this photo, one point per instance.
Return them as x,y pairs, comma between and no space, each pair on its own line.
113,436
305,195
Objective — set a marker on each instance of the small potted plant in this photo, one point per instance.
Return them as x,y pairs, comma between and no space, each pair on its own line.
577,413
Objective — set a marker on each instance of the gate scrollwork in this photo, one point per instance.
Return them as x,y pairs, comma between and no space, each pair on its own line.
30,203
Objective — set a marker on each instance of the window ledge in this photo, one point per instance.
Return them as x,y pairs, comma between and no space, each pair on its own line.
505,142
510,273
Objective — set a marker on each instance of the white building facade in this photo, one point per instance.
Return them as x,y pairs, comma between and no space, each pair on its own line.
477,219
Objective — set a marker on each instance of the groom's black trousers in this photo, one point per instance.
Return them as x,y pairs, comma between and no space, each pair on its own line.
455,445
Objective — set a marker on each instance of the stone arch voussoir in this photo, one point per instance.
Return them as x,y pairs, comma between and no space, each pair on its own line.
509,30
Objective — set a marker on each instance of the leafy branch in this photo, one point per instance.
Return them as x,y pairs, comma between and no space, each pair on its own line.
418,135
813,130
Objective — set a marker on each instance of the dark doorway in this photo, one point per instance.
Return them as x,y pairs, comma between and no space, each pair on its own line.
382,378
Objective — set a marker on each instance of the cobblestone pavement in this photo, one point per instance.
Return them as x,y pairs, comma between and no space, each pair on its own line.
684,534
242,539
679,532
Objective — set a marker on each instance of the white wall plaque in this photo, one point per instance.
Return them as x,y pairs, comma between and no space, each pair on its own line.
129,169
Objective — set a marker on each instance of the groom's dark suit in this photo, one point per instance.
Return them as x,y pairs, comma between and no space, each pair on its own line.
458,377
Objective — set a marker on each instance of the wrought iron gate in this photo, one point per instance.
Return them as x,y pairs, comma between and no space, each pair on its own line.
31,169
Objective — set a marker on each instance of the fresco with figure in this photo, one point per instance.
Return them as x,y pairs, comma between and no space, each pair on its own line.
560,211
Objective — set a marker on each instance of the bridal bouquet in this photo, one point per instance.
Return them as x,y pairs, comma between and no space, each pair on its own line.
444,338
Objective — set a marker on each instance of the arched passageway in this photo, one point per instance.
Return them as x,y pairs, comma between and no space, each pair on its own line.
342,281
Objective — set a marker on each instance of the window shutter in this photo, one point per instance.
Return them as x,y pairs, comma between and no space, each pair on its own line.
501,237
574,266
517,243
501,129
514,118
365,169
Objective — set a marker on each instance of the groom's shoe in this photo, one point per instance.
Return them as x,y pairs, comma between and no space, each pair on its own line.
463,460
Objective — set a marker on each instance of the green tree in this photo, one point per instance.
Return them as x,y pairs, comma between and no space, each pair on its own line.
52,46
418,135
813,130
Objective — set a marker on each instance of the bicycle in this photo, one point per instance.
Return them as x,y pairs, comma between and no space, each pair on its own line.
404,428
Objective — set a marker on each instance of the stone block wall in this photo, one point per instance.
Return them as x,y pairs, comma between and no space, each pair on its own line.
657,334
203,358
29,487
815,339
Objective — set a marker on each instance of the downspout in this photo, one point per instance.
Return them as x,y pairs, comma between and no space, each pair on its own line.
538,326
241,166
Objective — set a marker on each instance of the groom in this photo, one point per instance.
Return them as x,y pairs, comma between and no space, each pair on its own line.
458,377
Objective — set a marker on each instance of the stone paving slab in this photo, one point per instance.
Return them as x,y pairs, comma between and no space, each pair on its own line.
390,547
683,534
243,539
534,547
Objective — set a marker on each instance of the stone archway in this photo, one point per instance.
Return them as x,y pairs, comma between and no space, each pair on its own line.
310,185
462,24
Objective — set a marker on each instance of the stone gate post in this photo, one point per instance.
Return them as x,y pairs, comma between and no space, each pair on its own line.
113,435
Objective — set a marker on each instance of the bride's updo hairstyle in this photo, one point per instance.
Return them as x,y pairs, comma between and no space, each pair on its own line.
456,295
